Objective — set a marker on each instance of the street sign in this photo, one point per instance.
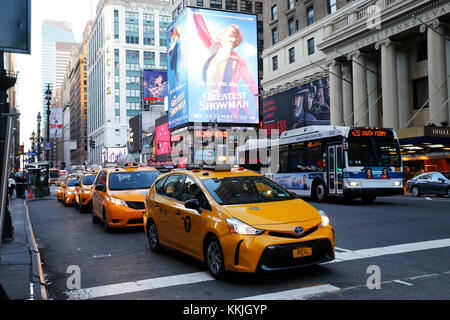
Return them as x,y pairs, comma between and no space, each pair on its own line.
48,146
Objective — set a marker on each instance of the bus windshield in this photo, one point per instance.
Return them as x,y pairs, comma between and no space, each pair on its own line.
245,190
373,152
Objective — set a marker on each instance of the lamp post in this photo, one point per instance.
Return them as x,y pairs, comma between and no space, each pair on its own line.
33,146
39,136
48,97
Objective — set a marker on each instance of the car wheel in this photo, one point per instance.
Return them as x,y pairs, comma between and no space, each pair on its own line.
81,208
368,198
448,192
319,192
214,258
153,239
415,192
95,219
105,222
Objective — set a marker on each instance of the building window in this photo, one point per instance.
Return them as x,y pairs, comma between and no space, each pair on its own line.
149,59
274,35
332,6
217,4
149,29
200,3
258,7
163,59
163,24
246,6
131,27
291,26
310,16
291,55
275,63
420,87
310,46
422,50
116,26
231,5
274,13
290,4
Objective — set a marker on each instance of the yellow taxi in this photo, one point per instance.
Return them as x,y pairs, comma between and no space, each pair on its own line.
68,195
235,220
118,195
60,190
83,192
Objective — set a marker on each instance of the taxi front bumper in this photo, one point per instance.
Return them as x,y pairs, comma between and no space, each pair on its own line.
69,198
122,216
267,252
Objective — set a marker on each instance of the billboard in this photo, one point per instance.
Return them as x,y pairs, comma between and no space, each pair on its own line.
112,155
162,138
213,68
56,123
305,105
155,86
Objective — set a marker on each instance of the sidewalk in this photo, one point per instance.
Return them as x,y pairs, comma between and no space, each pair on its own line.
21,273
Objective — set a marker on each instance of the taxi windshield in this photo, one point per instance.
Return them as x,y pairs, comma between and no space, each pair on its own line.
88,180
72,182
132,180
244,190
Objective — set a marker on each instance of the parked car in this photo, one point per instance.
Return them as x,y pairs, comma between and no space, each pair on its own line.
437,183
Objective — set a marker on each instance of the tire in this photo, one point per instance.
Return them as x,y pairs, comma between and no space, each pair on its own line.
319,192
105,222
214,258
153,238
81,208
95,219
415,191
448,192
368,198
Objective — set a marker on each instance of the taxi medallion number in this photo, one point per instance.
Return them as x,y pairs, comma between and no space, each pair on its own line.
302,252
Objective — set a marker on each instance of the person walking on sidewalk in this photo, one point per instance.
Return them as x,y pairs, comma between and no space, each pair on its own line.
11,185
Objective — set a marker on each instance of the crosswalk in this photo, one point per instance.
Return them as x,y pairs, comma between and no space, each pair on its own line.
342,255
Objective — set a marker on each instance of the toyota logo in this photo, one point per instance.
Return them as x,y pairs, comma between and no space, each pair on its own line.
298,230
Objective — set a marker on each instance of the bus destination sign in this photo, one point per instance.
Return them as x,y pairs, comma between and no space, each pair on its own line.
368,133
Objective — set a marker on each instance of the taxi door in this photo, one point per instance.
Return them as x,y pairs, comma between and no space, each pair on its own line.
97,195
165,204
189,228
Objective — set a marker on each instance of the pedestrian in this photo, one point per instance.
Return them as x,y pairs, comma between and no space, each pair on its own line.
11,185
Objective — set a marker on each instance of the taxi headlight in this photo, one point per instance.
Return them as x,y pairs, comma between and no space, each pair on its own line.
397,183
354,183
325,220
239,227
119,202
69,192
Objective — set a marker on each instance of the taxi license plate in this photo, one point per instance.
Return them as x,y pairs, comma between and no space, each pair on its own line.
302,252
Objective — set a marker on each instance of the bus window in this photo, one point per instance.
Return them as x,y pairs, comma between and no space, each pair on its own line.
284,159
315,158
298,157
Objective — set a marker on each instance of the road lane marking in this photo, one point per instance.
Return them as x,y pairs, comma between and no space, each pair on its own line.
295,294
428,198
389,250
191,278
340,249
403,282
136,286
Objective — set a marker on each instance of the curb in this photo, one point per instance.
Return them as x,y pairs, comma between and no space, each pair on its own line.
38,286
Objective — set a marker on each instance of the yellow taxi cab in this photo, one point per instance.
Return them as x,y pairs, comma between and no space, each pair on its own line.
83,192
60,190
235,220
118,195
68,195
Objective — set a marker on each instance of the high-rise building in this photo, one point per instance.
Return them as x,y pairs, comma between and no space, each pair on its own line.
127,37
54,57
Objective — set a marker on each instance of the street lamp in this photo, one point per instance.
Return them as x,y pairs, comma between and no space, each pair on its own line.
33,146
48,97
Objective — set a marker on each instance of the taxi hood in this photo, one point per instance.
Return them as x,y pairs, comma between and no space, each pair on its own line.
263,215
129,195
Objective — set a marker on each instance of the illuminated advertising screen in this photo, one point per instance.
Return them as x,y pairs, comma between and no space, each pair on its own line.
112,155
213,68
304,105
155,86
56,123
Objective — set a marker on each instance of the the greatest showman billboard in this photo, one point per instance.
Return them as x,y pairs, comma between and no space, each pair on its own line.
305,105
213,68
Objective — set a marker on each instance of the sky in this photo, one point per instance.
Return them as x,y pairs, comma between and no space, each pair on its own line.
29,82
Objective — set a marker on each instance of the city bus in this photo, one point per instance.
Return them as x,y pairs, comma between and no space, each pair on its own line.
325,161
54,175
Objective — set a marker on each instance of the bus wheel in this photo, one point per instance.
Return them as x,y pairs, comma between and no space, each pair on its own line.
368,198
319,192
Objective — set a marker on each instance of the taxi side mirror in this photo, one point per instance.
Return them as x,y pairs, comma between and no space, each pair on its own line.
192,204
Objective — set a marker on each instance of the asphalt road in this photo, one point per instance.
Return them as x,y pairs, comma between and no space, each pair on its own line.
402,242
